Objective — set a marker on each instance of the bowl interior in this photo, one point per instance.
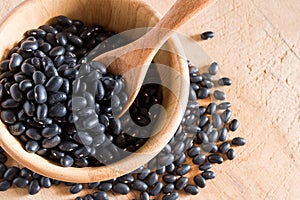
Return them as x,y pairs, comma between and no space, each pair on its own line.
118,16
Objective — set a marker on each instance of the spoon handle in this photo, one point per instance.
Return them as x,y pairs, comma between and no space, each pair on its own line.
180,13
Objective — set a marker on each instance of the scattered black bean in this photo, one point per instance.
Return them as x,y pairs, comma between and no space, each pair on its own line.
121,188
208,175
238,141
234,124
191,189
207,35
200,181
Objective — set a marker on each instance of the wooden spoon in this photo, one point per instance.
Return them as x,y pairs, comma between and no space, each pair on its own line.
132,61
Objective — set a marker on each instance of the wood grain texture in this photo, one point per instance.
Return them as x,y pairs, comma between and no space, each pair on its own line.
257,45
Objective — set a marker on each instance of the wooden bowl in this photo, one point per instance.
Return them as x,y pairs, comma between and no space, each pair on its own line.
116,15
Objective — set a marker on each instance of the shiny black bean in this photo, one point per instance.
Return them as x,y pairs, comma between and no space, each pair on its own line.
45,47
100,93
211,108
15,93
25,85
93,185
143,174
34,187
75,40
225,116
42,112
38,77
234,124
194,151
230,154
8,117
11,173
20,182
203,120
54,84
168,188
76,188
180,160
57,110
88,197
27,68
151,179
34,133
4,65
59,60
238,141
2,169
182,170
51,142
223,134
179,148
224,105
144,196
139,185
169,178
25,173
207,35
213,68
32,146
56,97
121,188
200,181
39,54
40,94
215,158
68,146
208,175
213,136
171,196
66,161
224,81
104,186
101,195
155,190
50,72
10,103
39,33
181,183
199,159
57,155
29,45
4,185
219,95
45,182
63,20
17,129
51,131
83,152
81,162
191,189
29,108
224,147
205,166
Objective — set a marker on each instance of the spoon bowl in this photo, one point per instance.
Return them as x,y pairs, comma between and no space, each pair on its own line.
114,15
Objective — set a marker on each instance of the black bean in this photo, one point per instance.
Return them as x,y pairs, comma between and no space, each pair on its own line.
42,112
203,93
121,188
78,198
205,166
207,35
45,182
83,138
76,188
29,45
65,86
39,33
168,188
203,120
54,84
213,68
223,134
144,196
38,77
50,72
57,155
139,185
15,61
25,85
4,185
10,103
93,185
230,154
40,94
161,170
225,116
105,186
15,93
211,108
45,47
8,117
224,81
153,191
181,183
216,120
182,170
238,141
234,124
34,187
224,147
29,108
57,110
32,146
191,189
20,182
224,105
215,158
11,173
180,160
75,40
101,195
169,178
63,20
219,95
208,175
66,161
4,65
2,170
51,142
68,146
179,148
81,162
83,152
199,159
200,181
151,179
28,69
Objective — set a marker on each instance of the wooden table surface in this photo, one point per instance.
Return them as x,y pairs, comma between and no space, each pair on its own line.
257,44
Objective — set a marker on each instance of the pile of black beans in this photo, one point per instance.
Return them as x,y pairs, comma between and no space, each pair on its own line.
61,108
201,139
